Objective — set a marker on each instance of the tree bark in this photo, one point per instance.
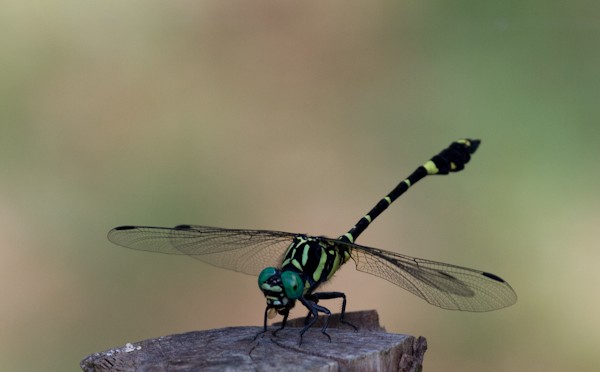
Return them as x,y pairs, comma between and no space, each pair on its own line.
234,349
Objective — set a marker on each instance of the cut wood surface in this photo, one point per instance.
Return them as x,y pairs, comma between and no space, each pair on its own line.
234,349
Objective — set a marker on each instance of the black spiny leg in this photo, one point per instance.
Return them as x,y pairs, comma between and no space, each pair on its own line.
332,295
308,316
285,317
265,324
326,322
313,298
314,315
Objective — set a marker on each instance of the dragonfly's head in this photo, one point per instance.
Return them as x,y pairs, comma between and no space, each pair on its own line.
281,289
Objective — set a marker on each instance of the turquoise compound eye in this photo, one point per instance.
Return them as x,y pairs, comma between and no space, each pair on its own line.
265,275
292,284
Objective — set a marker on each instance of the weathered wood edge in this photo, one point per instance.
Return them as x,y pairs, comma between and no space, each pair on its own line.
234,348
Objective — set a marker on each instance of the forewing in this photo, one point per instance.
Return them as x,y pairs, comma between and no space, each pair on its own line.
441,284
246,251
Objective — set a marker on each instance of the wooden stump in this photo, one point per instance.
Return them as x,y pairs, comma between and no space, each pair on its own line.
234,349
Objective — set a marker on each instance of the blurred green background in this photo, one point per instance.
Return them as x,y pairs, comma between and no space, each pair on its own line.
298,116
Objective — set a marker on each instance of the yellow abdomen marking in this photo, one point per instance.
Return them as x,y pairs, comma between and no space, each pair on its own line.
431,167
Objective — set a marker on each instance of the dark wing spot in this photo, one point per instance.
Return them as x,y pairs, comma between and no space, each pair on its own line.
124,228
183,227
494,277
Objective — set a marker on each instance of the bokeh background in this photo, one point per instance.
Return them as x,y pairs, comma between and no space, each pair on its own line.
298,116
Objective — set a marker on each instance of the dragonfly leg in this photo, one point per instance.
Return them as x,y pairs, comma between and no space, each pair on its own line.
265,324
285,317
332,295
307,319
313,298
314,315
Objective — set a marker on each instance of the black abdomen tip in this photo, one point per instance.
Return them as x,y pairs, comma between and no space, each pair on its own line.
474,145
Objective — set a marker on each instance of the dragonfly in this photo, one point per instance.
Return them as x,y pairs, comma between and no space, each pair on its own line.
291,266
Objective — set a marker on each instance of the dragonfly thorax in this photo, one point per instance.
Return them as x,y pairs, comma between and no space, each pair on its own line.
281,288
315,258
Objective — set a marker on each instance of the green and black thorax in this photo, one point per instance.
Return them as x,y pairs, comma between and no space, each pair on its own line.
308,262
316,259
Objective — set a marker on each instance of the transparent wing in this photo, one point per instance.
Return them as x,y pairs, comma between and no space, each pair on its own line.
441,284
246,251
